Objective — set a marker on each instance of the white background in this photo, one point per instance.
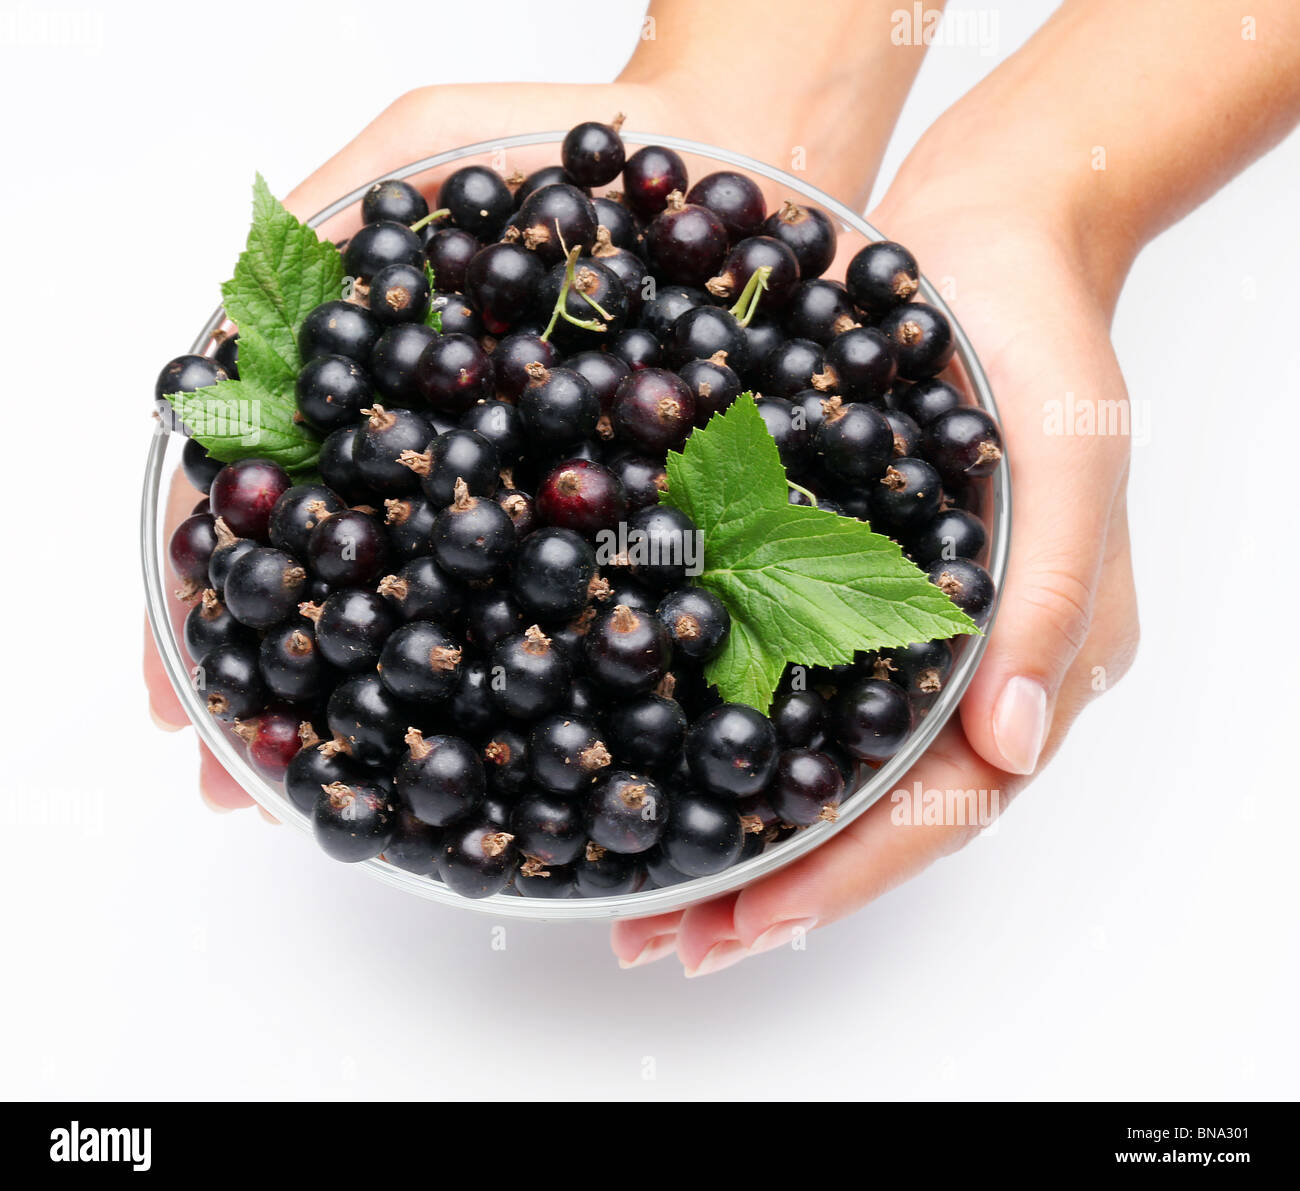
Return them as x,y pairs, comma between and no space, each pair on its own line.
1129,931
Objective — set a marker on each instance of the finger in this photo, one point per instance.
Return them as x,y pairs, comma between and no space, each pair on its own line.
164,703
1066,487
887,845
639,941
706,938
218,789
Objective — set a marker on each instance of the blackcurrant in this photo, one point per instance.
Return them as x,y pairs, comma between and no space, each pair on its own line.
228,551
601,371
806,788
745,259
920,669
650,175
601,873
189,549
457,455
799,718
653,411
512,356
478,199
967,584
669,303
664,546
184,374
906,496
473,537
312,768
637,348
226,353
264,586
520,508
963,444
298,511
697,622
951,533
505,761
566,754
415,846
440,778
861,364
470,708
230,682
732,750
700,332
882,276
378,246
808,232
455,315
647,731
925,400
907,434
332,391
420,662
493,614
785,423
624,230
627,812
348,549
627,651
409,522
454,372
582,496
790,368
548,175
199,467
208,624
367,719
558,407
704,835
853,442
686,243
593,152
292,664
763,335
548,828
338,329
393,361
449,251
400,293
595,306
871,719
529,675
643,479
354,821
713,383
552,573
553,220
244,493
922,338
478,858
818,310
535,878
734,198
421,590
395,201
501,283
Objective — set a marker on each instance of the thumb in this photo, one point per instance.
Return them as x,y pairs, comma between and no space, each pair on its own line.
1065,488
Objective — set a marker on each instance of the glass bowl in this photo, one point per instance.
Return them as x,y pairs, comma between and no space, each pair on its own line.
528,152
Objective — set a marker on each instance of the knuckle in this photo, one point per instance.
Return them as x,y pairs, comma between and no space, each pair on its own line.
1064,600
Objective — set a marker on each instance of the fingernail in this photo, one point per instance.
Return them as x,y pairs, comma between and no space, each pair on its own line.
719,956
655,948
1020,724
780,934
161,723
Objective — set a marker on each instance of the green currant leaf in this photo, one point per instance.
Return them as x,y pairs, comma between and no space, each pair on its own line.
238,419
802,585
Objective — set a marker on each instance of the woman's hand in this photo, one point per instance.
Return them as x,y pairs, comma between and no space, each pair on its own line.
1067,625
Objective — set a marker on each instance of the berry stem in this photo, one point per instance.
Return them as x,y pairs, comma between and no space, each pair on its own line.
748,301
429,218
802,490
559,311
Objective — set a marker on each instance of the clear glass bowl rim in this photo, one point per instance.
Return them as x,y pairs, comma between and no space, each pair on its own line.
634,905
